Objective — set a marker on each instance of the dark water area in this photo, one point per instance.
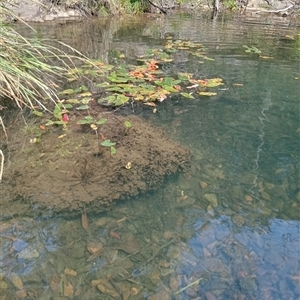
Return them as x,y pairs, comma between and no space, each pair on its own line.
226,229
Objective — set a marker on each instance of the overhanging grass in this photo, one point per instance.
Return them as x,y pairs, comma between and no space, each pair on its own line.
29,68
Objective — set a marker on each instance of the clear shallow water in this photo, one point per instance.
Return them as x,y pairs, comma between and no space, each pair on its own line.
229,228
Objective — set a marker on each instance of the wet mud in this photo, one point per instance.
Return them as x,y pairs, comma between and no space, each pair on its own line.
66,169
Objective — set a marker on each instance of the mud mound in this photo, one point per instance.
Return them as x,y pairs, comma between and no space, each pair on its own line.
69,169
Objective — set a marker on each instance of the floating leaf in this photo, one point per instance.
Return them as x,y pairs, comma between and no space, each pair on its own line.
114,89
167,81
207,93
150,104
170,88
187,95
121,99
107,143
117,79
139,97
82,107
109,99
185,76
214,82
208,58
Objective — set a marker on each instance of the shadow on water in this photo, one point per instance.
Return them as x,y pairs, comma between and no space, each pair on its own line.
226,229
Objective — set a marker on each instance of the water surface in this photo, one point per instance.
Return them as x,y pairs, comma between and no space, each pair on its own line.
228,228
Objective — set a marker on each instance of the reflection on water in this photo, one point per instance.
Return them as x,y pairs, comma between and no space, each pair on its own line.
227,229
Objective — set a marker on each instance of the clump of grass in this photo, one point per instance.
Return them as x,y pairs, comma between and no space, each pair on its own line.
29,67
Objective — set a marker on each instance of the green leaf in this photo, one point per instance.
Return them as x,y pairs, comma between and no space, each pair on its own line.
74,101
114,89
213,82
82,107
86,100
82,88
49,123
113,150
127,124
208,58
107,143
82,122
67,92
121,99
187,95
57,109
68,105
59,122
101,121
170,88
38,113
113,77
103,84
109,99
86,120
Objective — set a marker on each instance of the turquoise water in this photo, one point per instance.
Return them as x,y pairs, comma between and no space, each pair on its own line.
226,229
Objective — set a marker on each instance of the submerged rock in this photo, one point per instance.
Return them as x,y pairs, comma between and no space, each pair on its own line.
28,253
212,199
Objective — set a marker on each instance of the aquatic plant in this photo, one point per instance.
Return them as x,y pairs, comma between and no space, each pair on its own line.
252,49
30,68
127,125
108,143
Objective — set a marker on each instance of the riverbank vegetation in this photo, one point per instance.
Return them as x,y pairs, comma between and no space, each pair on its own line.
30,68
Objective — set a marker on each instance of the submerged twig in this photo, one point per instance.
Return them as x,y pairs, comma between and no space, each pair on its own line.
189,285
156,252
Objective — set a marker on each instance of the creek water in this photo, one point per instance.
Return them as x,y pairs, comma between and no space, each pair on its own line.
226,229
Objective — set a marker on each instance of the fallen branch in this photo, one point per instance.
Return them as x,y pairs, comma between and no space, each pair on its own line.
161,9
278,10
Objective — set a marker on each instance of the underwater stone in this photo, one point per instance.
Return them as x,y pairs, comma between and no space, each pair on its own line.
212,199
28,253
